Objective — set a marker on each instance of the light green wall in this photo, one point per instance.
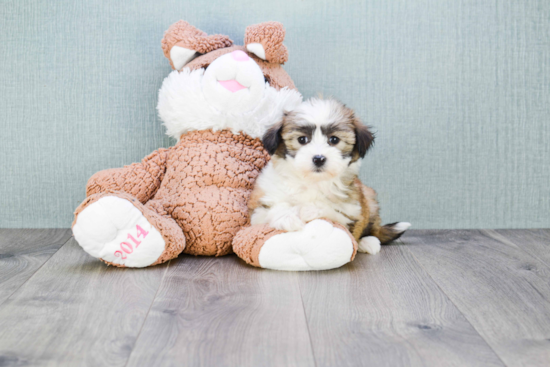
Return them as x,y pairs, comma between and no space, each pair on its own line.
458,91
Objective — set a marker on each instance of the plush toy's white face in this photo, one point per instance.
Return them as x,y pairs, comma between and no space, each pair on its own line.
233,83
230,94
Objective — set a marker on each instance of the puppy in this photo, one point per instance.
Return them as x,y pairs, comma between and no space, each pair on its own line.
316,154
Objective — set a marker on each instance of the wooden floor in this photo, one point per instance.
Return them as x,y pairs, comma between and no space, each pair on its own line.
436,298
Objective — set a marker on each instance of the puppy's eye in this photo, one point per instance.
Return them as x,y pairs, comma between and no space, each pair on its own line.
334,140
303,140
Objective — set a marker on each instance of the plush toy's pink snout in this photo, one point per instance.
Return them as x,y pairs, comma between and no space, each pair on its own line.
240,55
232,85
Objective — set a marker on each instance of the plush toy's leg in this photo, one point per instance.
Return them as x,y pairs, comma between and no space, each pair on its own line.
320,245
119,230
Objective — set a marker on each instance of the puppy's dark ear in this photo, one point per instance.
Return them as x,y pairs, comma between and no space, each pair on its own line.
272,138
364,138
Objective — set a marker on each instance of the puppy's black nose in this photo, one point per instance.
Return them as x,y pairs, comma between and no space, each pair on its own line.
319,160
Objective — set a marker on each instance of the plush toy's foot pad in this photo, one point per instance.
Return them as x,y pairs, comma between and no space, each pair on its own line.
114,230
318,246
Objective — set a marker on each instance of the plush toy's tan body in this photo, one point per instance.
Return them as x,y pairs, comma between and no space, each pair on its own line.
196,192
192,198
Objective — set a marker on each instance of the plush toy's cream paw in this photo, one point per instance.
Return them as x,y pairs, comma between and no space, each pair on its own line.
370,245
318,246
114,230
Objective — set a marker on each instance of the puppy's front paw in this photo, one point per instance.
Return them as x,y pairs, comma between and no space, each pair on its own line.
309,213
288,223
370,245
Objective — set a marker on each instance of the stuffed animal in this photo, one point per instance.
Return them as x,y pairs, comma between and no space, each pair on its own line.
192,198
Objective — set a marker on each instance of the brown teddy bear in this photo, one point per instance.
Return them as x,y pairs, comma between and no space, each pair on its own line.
192,198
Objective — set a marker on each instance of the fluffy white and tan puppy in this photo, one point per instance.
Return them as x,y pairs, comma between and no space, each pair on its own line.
316,154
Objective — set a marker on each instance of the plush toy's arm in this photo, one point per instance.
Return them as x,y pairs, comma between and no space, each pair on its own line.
141,180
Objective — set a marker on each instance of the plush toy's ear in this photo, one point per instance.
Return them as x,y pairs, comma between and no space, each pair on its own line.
364,138
179,56
265,40
182,41
272,138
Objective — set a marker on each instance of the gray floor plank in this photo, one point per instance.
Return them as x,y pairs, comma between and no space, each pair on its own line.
385,310
446,298
76,311
221,312
534,241
503,290
23,251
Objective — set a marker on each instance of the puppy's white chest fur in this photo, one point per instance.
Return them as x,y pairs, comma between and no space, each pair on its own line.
288,194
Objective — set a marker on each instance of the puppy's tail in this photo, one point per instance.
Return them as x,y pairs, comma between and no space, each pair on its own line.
391,232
